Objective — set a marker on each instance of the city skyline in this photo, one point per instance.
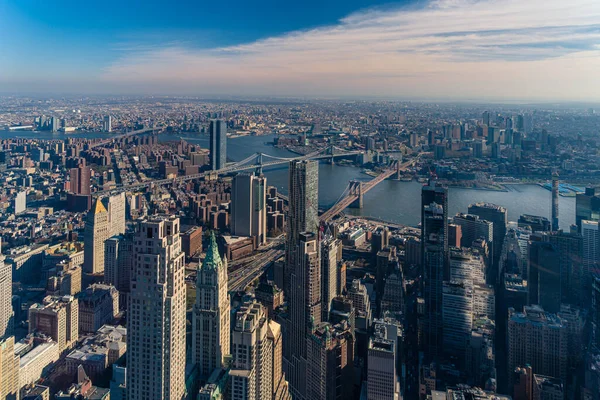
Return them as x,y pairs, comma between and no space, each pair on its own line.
441,49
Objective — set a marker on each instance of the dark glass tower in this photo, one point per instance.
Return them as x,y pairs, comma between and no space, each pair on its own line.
218,144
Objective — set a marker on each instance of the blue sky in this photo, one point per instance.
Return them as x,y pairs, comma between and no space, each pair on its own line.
446,49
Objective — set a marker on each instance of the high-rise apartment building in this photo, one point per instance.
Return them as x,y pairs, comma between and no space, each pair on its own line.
156,320
330,247
58,318
457,314
80,180
256,371
106,219
304,310
544,276
6,310
570,250
587,207
498,216
303,210
249,207
539,339
218,144
210,318
107,123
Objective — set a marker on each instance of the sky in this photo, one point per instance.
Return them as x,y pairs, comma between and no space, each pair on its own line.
496,50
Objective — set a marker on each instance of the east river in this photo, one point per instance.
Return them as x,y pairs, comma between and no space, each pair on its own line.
391,200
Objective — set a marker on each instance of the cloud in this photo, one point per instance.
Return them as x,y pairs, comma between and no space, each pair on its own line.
503,49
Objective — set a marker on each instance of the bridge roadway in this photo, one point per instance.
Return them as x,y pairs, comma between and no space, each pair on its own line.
121,136
352,196
227,170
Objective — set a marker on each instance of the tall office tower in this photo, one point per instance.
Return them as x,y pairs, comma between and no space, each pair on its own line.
434,229
543,276
6,310
303,210
103,221
304,311
485,118
330,350
9,369
58,318
554,202
118,263
382,379
96,231
498,216
472,228
380,239
570,249
107,123
54,124
210,318
156,322
537,338
467,265
256,351
249,207
587,206
359,296
330,247
457,314
590,258
218,144
80,180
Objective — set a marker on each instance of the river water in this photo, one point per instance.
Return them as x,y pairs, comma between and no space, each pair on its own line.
391,200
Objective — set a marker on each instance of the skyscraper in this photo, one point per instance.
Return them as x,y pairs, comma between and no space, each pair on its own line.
590,230
303,210
587,206
6,311
118,263
434,237
58,318
382,379
80,180
554,202
210,319
103,221
249,207
304,311
156,321
330,247
9,369
544,276
472,228
107,123
570,248
457,312
499,217
256,350
218,144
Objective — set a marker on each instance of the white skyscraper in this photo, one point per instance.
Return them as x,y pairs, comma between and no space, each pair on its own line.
20,203
249,207
6,311
156,323
329,260
210,320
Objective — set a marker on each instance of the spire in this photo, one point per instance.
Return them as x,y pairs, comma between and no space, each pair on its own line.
99,207
212,259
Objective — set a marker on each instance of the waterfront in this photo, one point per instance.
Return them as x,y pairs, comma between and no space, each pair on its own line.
391,200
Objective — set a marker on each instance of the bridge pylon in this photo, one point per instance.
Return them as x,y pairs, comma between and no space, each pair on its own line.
259,161
398,175
356,188
331,152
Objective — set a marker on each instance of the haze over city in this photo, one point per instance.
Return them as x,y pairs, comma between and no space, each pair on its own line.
499,50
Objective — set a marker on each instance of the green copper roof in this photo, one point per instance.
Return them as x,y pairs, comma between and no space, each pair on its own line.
212,259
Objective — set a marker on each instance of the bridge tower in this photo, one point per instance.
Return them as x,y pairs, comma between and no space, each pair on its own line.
356,188
331,152
259,162
397,169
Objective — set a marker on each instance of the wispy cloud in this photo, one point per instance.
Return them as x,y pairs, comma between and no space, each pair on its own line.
445,48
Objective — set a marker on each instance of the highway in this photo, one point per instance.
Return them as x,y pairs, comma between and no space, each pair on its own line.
246,270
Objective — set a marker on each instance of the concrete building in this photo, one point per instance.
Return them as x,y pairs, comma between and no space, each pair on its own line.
157,312
58,318
587,207
191,240
20,203
36,392
382,377
98,305
304,311
249,207
98,352
498,216
6,310
544,276
36,362
118,264
472,227
218,144
210,318
256,371
539,339
457,314
330,251
9,369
